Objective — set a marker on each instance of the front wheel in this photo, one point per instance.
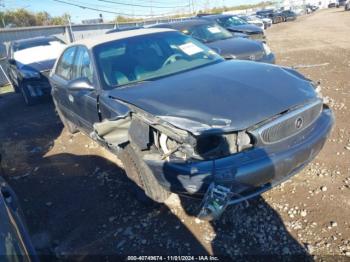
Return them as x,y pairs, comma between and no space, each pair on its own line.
12,82
148,187
28,99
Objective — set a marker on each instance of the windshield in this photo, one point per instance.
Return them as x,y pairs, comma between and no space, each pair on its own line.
37,43
231,21
208,33
142,58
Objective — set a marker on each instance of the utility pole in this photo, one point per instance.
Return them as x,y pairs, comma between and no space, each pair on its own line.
151,8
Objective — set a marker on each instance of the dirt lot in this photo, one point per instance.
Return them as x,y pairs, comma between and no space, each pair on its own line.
77,199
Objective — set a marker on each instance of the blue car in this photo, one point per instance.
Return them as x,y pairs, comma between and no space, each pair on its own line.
184,120
237,25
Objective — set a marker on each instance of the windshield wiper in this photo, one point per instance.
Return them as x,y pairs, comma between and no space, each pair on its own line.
132,84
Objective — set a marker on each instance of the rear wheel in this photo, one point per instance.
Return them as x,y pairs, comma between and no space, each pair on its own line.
28,99
148,187
15,87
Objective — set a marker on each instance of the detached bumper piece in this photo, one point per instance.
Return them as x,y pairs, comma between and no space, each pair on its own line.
214,202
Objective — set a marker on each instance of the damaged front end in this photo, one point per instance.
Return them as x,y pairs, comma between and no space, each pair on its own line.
220,165
162,144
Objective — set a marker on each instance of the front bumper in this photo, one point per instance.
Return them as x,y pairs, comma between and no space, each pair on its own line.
250,172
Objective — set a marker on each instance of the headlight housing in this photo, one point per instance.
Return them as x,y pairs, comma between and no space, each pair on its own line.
206,146
267,49
27,73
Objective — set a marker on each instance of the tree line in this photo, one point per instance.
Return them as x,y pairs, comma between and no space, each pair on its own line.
22,18
215,10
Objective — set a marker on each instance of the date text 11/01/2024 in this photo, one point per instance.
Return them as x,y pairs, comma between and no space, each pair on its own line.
172,258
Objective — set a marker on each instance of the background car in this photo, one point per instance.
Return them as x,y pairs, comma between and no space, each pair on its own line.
288,15
347,6
332,5
235,24
341,3
222,41
267,21
30,62
253,20
276,17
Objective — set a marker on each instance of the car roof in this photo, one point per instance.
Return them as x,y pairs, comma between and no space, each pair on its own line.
215,16
92,42
183,24
120,29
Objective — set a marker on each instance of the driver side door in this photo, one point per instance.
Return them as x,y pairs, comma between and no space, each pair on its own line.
84,101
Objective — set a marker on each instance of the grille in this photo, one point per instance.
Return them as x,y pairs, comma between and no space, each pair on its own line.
290,124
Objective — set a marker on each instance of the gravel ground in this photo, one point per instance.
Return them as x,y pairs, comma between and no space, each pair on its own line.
78,201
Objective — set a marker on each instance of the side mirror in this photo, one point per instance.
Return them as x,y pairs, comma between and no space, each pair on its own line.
80,84
11,61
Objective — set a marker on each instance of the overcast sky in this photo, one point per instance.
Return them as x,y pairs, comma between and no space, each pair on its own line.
132,7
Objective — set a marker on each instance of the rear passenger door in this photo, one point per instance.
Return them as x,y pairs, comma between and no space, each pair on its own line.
84,102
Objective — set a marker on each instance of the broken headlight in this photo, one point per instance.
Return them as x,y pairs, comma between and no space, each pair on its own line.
170,147
211,146
205,147
215,146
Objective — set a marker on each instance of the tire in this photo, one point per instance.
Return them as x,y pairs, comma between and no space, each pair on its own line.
148,187
15,87
71,128
28,99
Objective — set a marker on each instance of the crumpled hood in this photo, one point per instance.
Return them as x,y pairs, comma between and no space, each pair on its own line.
240,47
229,96
247,28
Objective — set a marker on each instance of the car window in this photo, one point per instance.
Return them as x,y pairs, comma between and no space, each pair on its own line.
147,57
82,66
231,21
65,63
208,33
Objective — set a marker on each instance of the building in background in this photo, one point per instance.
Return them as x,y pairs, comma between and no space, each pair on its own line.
294,4
93,21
